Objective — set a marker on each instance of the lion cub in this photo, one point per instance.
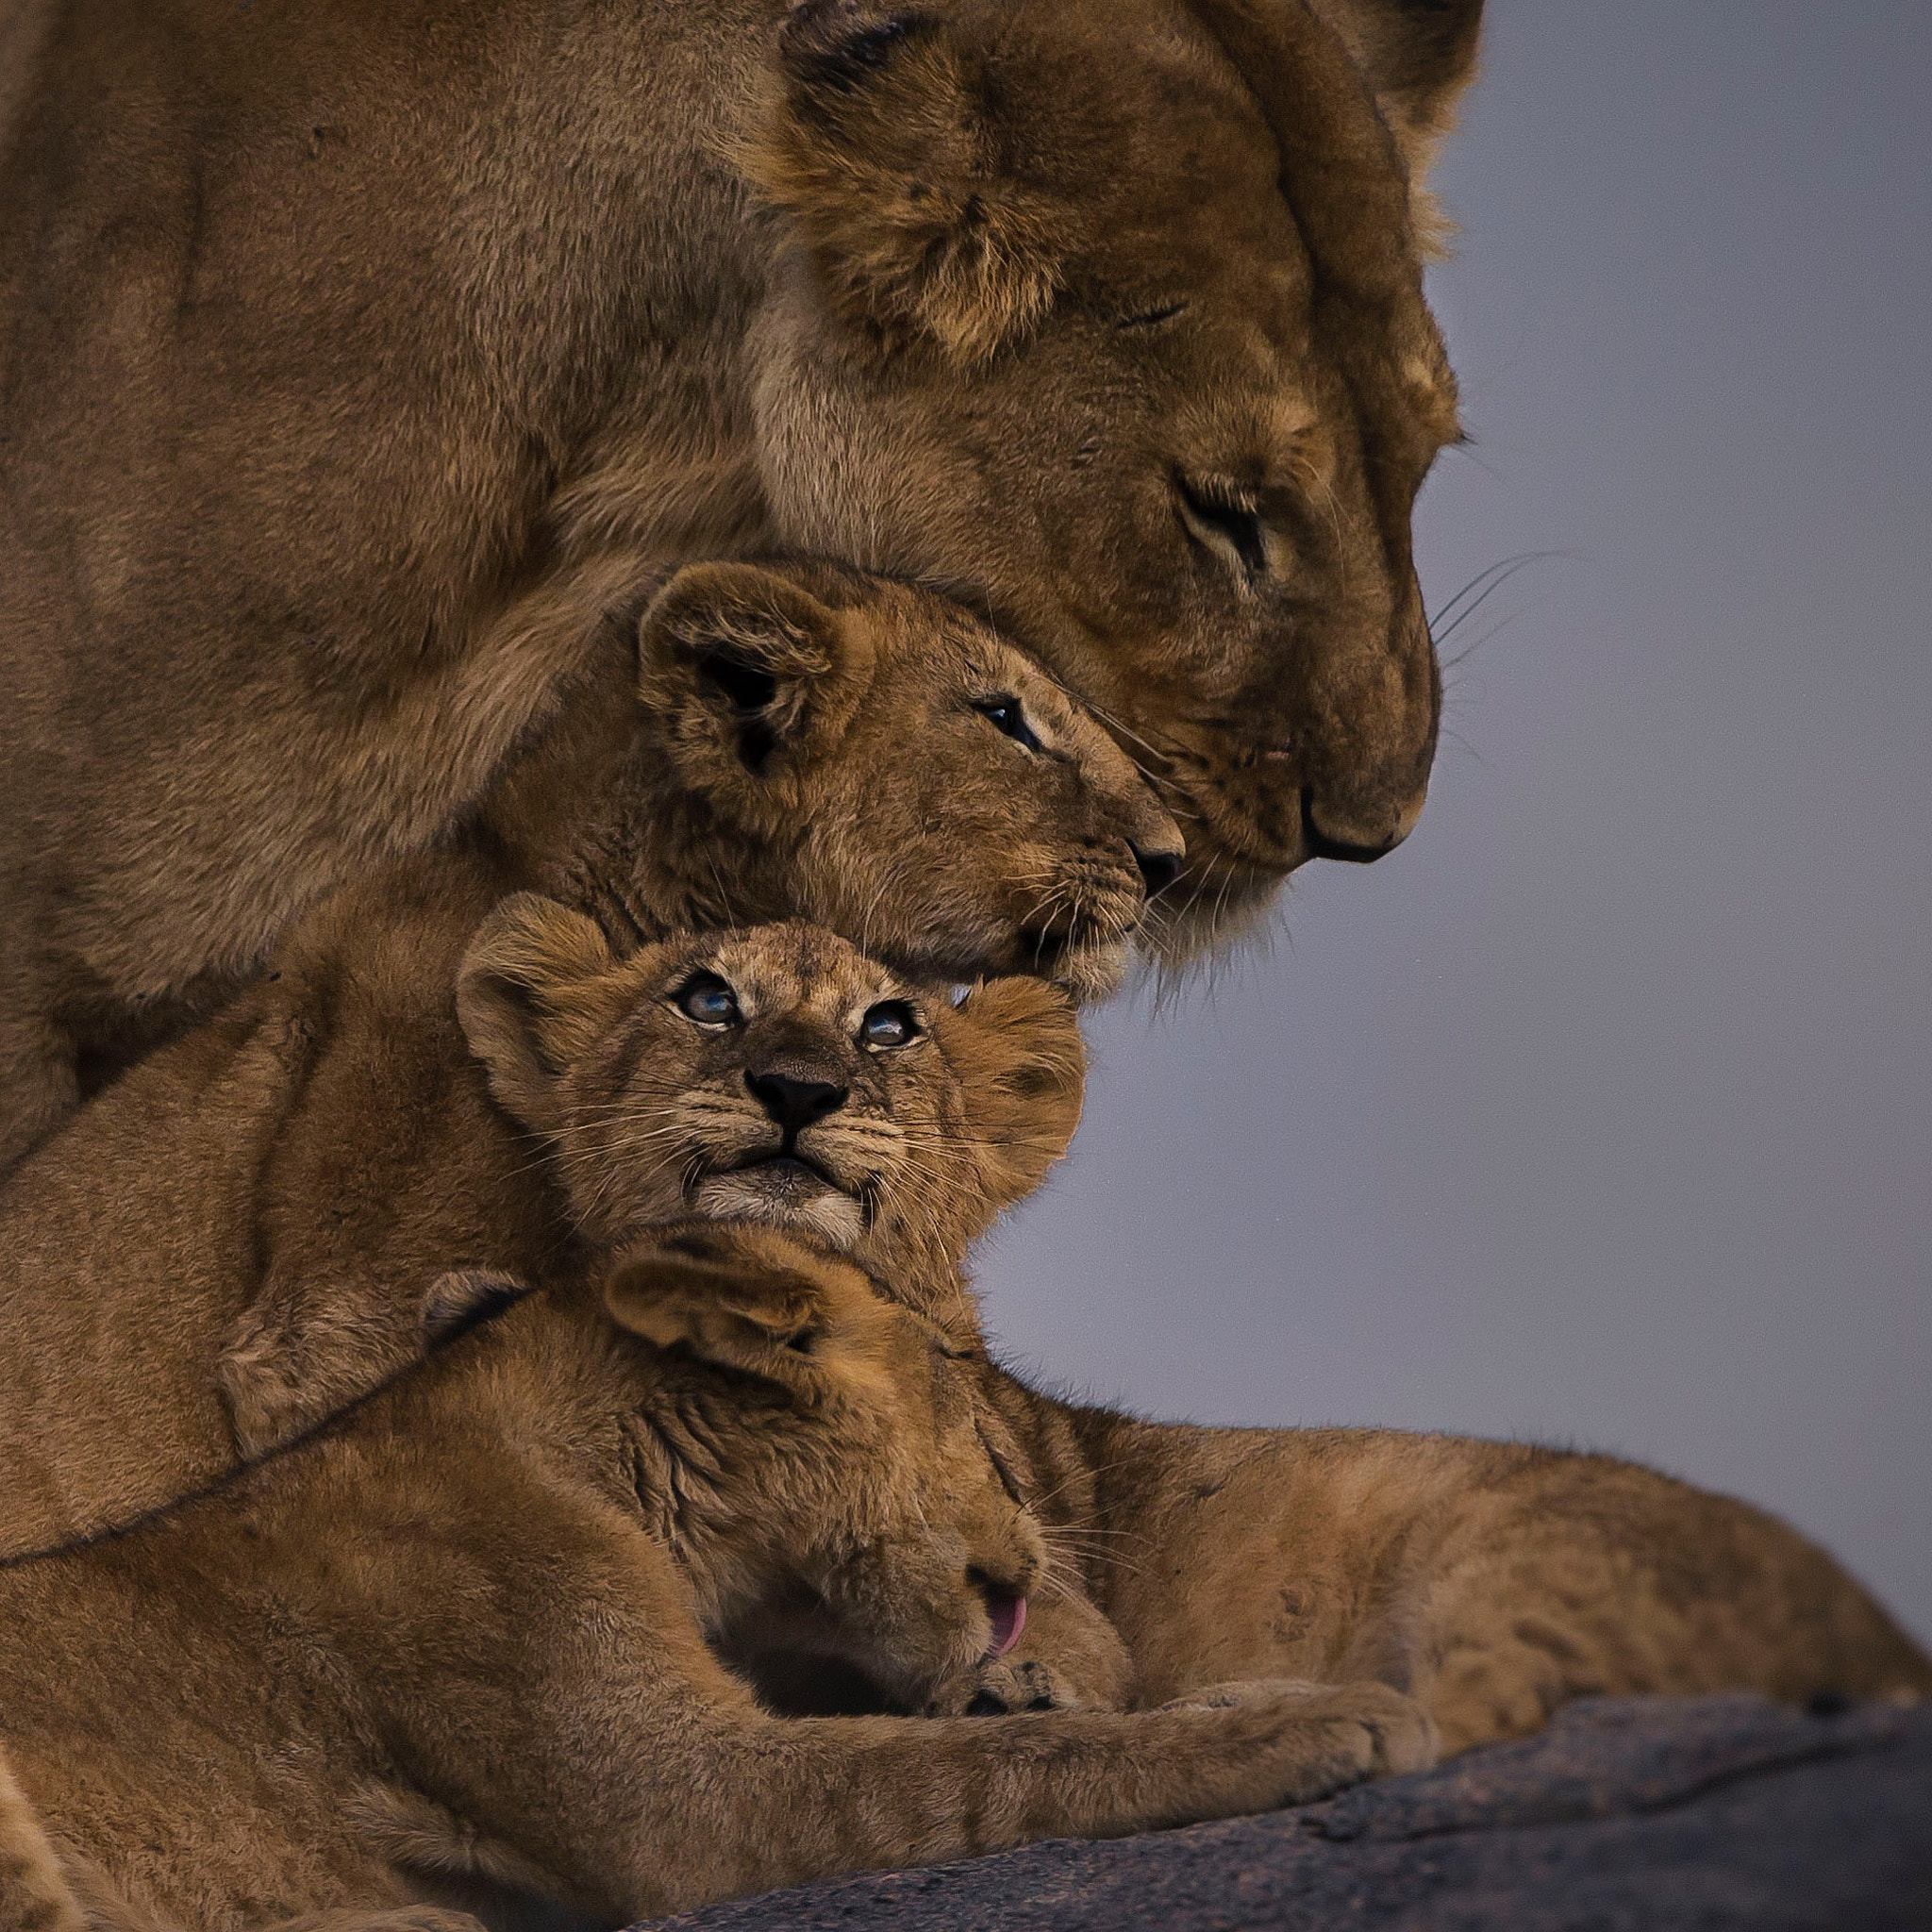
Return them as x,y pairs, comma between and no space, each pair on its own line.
237,1239
455,1646
792,740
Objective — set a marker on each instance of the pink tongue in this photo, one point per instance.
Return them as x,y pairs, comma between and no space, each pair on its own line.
1009,1614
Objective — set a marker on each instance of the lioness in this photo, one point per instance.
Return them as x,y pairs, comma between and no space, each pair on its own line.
460,1635
237,1239
789,739
349,355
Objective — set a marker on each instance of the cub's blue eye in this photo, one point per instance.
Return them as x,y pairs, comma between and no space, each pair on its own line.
1004,713
705,998
891,1023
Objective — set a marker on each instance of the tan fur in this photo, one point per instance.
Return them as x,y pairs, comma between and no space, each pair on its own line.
756,742
243,1234
34,1895
351,357
462,1635
1496,1582
1492,1581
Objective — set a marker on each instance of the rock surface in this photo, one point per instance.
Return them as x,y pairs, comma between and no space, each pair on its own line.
1726,1814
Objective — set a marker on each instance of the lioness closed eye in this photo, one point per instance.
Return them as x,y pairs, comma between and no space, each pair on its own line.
524,1697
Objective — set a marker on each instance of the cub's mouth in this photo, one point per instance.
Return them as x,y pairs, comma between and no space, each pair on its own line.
783,1190
789,1173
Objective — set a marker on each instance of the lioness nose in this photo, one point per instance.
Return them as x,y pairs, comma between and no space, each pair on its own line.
1159,870
1329,832
795,1104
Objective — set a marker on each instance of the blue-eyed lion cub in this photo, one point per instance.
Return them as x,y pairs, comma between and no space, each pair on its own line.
462,1643
772,1073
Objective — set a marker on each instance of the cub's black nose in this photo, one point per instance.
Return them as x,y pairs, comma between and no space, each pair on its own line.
1159,869
795,1104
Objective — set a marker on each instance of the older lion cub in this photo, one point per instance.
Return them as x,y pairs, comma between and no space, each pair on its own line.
462,1631
239,1238
790,739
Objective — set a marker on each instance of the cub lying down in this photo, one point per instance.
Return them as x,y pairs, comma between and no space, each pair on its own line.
756,742
222,1250
453,1647
1494,1581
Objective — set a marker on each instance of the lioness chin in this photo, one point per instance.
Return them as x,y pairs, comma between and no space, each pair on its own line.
456,1647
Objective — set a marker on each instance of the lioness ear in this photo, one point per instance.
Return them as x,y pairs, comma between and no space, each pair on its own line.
751,674
1024,1069
530,1002
879,146
749,1299
1418,57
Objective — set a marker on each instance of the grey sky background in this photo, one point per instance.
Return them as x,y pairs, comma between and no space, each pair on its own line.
1601,1111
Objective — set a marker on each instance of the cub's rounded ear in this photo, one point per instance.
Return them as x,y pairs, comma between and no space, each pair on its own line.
751,673
1016,1048
533,995
878,143
750,1299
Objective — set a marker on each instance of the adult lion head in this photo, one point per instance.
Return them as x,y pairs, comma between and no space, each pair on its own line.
1111,318
419,332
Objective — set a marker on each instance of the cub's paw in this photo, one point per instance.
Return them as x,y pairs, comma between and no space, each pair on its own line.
1007,1684
1401,1733
1070,1657
1311,1740
1077,1664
